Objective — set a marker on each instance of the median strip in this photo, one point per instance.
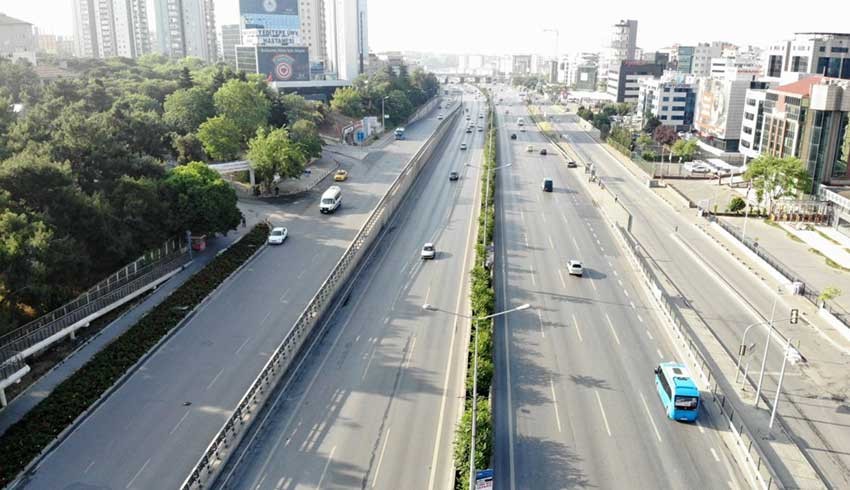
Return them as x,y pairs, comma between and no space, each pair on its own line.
56,414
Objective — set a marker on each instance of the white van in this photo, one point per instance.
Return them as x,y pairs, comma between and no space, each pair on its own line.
520,122
331,199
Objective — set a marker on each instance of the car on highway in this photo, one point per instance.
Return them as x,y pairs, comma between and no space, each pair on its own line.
522,129
341,175
453,175
575,268
543,151
277,235
463,146
480,129
571,164
468,130
331,199
468,117
529,148
547,185
440,117
428,251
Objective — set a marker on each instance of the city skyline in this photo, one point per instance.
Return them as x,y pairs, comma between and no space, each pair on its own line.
590,33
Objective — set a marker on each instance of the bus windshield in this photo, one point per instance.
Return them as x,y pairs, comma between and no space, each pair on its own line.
686,402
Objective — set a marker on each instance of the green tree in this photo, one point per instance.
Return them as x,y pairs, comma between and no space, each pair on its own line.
24,245
220,137
652,122
135,121
348,102
305,135
685,149
774,177
644,140
245,103
736,204
272,154
397,107
188,148
185,81
186,109
286,109
200,200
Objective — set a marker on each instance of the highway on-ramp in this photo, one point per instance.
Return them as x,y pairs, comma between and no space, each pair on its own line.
153,429
377,400
575,402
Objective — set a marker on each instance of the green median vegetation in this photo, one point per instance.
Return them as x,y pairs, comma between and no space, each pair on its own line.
37,429
482,299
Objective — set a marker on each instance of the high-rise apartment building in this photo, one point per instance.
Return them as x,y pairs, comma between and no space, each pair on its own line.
623,42
230,38
347,38
624,79
108,28
186,28
312,13
816,53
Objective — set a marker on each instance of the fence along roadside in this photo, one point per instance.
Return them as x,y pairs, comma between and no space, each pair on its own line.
231,433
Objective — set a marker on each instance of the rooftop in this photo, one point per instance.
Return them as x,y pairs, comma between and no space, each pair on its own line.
800,87
5,20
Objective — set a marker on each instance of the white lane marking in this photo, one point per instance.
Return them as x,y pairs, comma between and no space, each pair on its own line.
241,346
215,378
620,282
179,422
578,331
138,473
427,295
598,242
555,404
89,467
565,218
543,216
327,464
284,295
640,319
369,362
660,355
649,416
509,415
611,325
714,453
700,427
266,317
561,275
301,273
632,304
525,235
410,353
522,216
625,292
575,243
533,281
615,273
602,249
261,482
551,243
381,458
602,409
649,335
593,283
540,321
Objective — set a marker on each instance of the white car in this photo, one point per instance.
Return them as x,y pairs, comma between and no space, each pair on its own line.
440,117
428,251
278,235
574,268
463,146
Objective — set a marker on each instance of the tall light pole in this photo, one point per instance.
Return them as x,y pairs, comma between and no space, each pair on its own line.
475,321
767,343
384,114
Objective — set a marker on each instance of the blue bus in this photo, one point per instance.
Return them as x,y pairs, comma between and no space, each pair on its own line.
677,391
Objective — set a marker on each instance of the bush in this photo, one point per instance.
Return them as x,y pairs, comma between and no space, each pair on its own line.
737,204
24,440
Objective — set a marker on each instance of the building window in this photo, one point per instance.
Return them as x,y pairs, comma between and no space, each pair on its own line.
749,116
665,99
837,49
665,108
745,143
748,130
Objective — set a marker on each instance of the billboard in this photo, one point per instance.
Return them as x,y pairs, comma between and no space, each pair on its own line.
283,63
713,107
269,14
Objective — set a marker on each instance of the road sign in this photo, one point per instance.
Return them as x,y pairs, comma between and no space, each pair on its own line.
484,480
361,136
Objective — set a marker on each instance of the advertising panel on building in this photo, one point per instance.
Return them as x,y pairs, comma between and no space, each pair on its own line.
713,108
269,14
283,63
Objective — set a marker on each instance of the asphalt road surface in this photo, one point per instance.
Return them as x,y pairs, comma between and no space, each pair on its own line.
376,403
152,430
575,402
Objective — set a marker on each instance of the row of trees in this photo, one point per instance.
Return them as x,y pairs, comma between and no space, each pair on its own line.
601,120
401,93
84,184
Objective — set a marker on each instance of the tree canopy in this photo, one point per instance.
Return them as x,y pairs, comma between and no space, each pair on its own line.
273,154
774,177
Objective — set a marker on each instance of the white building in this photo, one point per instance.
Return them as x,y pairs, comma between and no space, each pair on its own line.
186,28
347,38
752,123
85,29
17,39
720,110
229,39
108,28
704,53
672,102
313,25
623,41
816,53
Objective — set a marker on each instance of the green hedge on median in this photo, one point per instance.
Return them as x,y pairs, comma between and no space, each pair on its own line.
483,301
37,429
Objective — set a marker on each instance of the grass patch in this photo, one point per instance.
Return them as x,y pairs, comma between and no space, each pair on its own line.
827,237
37,429
835,265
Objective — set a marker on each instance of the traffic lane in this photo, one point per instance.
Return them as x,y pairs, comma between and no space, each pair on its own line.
423,220
249,301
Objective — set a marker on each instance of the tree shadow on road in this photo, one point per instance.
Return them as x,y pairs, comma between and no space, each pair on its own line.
549,465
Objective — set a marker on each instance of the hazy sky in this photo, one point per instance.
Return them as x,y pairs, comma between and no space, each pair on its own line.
498,26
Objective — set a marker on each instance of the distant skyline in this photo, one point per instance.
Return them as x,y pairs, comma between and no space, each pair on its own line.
487,27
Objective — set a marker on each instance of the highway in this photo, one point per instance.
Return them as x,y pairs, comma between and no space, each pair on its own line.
151,431
574,401
376,402
728,298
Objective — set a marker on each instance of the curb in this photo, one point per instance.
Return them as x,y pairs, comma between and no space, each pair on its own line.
74,425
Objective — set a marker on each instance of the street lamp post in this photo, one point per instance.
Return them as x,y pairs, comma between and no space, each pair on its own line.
383,114
779,386
475,321
767,343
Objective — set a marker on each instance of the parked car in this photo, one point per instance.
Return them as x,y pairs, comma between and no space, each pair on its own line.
453,175
428,251
575,268
543,151
341,175
571,164
277,235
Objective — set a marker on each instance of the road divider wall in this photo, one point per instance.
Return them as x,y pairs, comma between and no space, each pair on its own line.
227,440
483,302
25,443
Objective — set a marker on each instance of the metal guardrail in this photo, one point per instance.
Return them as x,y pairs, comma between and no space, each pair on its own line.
746,440
130,278
810,293
228,437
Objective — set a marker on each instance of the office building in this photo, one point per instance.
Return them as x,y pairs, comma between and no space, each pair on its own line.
703,54
313,25
685,59
816,53
521,64
623,41
186,28
752,123
672,102
720,110
109,28
347,38
623,80
229,39
17,39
